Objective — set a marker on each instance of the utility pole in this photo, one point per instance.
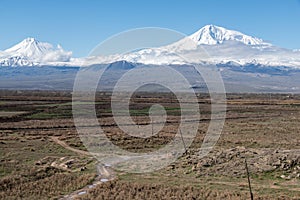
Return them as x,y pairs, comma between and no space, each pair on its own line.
152,127
183,140
249,183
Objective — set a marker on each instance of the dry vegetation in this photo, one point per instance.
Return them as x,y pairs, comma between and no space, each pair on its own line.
264,129
124,190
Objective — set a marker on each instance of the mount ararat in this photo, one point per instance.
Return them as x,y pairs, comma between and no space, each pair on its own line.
221,45
246,63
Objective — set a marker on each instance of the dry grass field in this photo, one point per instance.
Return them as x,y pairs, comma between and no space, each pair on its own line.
42,156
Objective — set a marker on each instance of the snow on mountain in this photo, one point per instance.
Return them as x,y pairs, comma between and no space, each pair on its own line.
212,35
210,44
213,44
32,52
16,61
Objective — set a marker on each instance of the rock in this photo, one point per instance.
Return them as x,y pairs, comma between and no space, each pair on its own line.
277,163
194,168
282,166
283,176
206,164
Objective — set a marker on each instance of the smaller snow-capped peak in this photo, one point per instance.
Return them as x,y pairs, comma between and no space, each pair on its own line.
212,35
37,51
30,47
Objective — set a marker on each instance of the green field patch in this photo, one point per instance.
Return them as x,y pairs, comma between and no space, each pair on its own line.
11,113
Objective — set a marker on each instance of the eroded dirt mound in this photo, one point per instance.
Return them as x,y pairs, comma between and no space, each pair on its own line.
68,163
232,162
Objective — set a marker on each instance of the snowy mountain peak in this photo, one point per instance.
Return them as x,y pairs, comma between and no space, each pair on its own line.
212,35
30,48
36,51
30,40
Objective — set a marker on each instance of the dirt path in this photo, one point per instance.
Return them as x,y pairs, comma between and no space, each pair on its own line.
66,146
105,173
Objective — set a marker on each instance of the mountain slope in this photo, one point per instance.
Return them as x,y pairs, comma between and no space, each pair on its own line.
15,61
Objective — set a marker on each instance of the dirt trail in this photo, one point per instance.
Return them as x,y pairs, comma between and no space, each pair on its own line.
105,173
66,146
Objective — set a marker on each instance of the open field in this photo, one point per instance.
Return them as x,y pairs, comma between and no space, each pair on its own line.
42,156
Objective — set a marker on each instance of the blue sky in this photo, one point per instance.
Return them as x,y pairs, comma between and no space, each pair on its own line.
79,25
